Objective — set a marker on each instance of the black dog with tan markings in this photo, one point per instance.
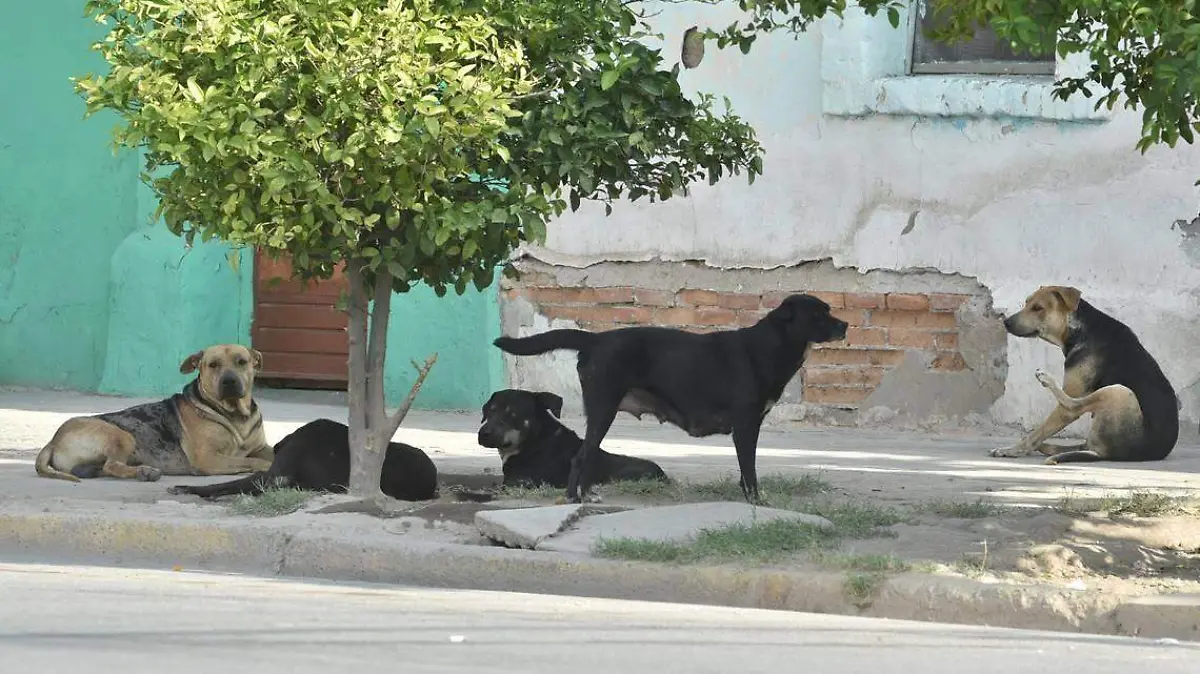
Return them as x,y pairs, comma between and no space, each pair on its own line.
719,383
1108,373
536,449
212,427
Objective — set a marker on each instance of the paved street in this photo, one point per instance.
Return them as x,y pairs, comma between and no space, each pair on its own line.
84,620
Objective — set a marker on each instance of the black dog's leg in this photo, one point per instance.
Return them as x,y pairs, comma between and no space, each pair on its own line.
601,408
745,443
252,485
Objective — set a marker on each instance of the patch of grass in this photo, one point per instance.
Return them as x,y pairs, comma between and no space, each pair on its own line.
856,519
271,503
1138,503
967,510
642,550
529,493
758,542
860,586
777,491
762,541
864,563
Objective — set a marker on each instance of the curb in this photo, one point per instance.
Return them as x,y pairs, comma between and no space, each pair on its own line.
256,548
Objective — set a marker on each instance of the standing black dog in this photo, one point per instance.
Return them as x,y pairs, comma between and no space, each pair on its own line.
316,457
536,448
705,384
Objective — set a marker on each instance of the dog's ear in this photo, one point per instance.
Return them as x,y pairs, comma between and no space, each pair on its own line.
257,359
190,363
483,410
784,311
550,402
1068,295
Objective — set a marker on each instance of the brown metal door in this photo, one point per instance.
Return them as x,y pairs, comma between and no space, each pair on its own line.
298,328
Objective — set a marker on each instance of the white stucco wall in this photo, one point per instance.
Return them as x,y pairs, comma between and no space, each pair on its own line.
1003,194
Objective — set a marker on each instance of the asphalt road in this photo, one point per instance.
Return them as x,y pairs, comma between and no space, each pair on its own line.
84,620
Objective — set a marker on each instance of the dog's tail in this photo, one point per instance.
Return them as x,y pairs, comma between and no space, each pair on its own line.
252,485
43,467
551,340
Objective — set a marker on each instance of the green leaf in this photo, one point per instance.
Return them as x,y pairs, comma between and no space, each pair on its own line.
608,79
194,89
433,126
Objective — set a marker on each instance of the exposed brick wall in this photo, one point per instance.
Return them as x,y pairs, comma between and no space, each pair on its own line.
883,326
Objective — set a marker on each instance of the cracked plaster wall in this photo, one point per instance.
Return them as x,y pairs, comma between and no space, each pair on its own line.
1010,202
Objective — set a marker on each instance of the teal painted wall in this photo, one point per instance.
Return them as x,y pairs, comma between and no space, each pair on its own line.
460,329
168,301
66,202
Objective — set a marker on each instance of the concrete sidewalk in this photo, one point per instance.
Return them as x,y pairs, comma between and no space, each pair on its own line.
889,467
438,544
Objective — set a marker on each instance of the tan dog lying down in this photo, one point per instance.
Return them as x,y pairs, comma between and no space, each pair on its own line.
212,427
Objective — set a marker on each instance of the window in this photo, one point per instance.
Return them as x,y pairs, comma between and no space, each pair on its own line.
984,54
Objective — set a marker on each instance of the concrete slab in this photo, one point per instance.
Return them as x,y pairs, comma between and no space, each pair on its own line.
677,523
526,527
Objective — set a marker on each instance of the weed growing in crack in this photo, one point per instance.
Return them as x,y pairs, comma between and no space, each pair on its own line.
271,503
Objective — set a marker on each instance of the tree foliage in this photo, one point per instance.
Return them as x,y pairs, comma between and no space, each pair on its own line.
429,138
412,141
1144,54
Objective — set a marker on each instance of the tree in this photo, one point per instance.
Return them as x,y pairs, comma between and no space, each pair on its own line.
1145,54
411,141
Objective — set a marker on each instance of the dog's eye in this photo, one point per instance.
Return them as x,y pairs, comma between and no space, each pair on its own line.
1036,307
214,365
242,361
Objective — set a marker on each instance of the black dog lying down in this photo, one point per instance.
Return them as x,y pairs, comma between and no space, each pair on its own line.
316,457
536,448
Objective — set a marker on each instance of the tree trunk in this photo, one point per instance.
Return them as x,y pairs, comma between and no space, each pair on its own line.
371,427
366,457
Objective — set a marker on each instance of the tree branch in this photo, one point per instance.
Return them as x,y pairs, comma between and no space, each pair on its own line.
377,346
422,371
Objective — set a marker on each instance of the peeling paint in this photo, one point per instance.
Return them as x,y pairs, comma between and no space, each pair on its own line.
1010,201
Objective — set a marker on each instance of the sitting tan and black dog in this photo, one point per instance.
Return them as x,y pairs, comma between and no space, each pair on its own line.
212,427
1135,412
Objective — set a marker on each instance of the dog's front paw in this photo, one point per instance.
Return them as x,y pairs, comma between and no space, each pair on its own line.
1052,461
148,473
1008,452
1043,378
177,490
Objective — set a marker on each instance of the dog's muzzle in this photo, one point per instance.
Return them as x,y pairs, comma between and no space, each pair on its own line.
1011,327
230,386
839,331
488,437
